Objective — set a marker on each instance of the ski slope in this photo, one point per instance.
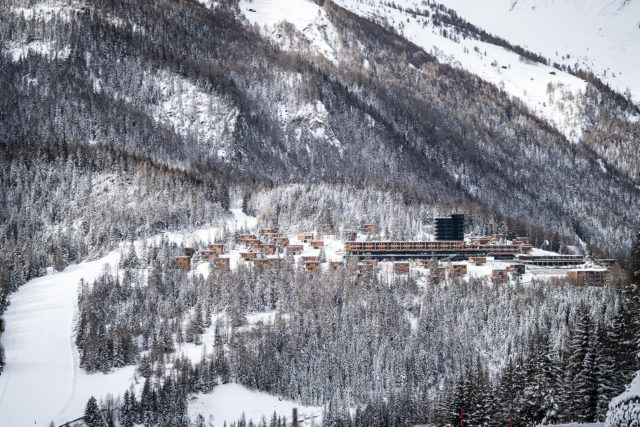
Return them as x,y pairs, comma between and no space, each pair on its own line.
42,381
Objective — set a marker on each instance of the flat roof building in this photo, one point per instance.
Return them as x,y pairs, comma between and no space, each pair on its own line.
451,228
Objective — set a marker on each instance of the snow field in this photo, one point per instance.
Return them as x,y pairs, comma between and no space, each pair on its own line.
554,97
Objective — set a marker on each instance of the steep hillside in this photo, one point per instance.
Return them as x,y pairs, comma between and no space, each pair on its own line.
329,97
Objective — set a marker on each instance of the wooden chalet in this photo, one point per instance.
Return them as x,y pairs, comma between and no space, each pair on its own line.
305,237
458,269
248,255
609,262
306,258
525,248
367,228
223,263
589,277
207,255
336,264
217,248
424,263
312,265
183,263
252,243
189,251
517,268
500,276
521,241
317,244
244,237
269,248
281,240
294,249
401,267
480,240
268,231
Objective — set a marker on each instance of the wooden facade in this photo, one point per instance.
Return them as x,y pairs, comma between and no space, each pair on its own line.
521,241
480,240
305,237
609,262
281,240
425,263
223,263
478,260
435,248
189,251
458,269
294,249
183,263
268,231
401,267
312,265
217,248
591,277
517,268
316,244
269,248
500,276
367,228
248,255
336,264
306,258
244,237
207,255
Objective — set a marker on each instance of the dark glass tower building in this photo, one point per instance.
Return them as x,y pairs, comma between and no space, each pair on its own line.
451,228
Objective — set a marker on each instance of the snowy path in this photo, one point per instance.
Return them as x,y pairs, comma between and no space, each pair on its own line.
39,377
42,381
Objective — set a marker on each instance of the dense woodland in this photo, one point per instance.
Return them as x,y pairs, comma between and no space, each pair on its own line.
401,350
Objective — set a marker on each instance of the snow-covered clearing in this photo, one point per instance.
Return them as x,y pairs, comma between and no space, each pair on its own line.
46,48
229,402
42,381
601,36
551,94
308,19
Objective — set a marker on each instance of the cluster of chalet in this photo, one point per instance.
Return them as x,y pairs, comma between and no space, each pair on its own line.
263,251
215,252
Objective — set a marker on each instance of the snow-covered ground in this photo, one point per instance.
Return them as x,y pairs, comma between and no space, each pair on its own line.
602,36
551,94
307,18
229,402
42,380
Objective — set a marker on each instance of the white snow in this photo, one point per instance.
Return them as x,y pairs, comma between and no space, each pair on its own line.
601,36
42,381
18,51
228,402
308,19
553,97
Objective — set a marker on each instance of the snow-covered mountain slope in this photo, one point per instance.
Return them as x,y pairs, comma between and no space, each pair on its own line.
600,36
306,17
551,94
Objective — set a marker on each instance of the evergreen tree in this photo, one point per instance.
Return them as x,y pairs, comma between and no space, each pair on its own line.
92,415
